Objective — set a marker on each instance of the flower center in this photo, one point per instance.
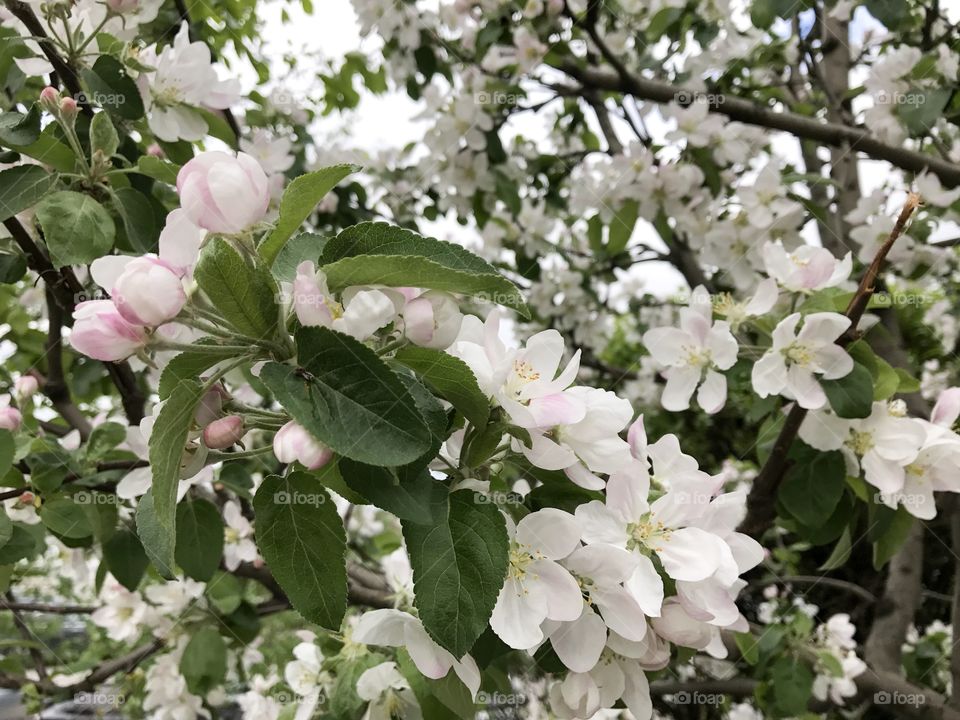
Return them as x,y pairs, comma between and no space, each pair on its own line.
860,442
798,354
231,535
521,556
698,357
522,375
644,534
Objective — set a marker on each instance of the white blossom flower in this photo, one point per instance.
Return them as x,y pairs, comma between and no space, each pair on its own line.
238,544
388,694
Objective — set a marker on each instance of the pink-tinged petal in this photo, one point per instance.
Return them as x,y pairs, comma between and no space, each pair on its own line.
557,409
105,270
180,241
636,693
469,674
646,586
804,387
561,590
712,395
548,454
681,382
696,325
580,475
637,438
418,322
676,625
947,409
579,644
550,531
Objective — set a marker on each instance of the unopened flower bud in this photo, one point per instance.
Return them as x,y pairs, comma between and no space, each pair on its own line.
68,109
10,419
293,442
156,151
25,386
223,433
50,100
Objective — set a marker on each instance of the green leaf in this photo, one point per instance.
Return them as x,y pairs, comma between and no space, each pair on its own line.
459,563
76,227
139,222
112,88
890,12
17,129
204,661
104,438
157,540
893,537
8,449
246,295
125,558
154,167
167,443
908,383
103,136
346,397
748,646
305,246
50,150
382,254
886,380
65,518
792,682
12,268
851,396
841,552
299,200
199,538
23,543
451,378
920,108
814,485
22,187
188,366
621,227
225,592
301,537
410,494
6,528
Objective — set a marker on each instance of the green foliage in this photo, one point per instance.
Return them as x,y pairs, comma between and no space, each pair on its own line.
301,537
204,661
22,187
450,378
76,227
199,543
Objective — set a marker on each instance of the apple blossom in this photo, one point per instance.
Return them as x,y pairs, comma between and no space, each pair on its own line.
394,628
148,292
25,386
738,312
293,443
102,333
537,587
613,678
238,545
432,320
388,694
806,269
307,678
788,367
222,193
947,408
692,354
10,418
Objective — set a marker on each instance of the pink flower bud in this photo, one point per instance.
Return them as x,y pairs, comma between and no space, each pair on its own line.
210,407
947,409
293,442
101,332
156,151
222,193
123,6
68,109
223,433
25,386
10,419
50,99
432,320
148,292
312,301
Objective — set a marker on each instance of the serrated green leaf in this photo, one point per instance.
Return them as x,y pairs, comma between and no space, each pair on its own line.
199,538
346,397
408,494
162,170
22,187
301,537
103,136
204,661
851,396
189,366
157,540
65,518
19,130
299,200
125,558
449,377
813,486
112,88
459,562
245,294
77,228
382,254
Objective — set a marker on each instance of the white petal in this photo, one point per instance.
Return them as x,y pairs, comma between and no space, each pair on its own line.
713,393
681,382
561,590
579,644
553,532
646,586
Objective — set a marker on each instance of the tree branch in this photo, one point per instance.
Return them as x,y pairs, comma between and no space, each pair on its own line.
761,502
55,386
746,111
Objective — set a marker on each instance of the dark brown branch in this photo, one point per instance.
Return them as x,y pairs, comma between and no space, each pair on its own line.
46,608
761,502
746,111
55,385
35,654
